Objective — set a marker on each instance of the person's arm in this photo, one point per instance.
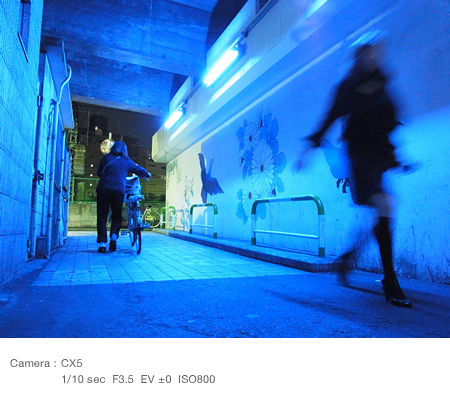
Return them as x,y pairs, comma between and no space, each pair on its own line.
340,107
140,171
101,166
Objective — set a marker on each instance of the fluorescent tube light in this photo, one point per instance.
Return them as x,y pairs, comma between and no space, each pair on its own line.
219,67
174,117
316,6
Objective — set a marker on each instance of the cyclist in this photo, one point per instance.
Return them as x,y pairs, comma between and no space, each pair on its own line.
113,171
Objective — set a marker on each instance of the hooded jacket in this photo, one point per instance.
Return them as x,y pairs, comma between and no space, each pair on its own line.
113,171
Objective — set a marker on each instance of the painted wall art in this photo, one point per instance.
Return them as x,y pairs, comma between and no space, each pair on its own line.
210,185
262,163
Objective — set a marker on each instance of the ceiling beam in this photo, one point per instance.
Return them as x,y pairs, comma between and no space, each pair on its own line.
167,36
100,81
134,54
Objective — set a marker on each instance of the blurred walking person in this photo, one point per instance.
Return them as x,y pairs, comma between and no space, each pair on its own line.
370,116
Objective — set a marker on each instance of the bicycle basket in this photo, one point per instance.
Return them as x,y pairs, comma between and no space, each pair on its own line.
133,189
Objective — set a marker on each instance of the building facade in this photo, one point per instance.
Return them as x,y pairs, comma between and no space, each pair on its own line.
34,162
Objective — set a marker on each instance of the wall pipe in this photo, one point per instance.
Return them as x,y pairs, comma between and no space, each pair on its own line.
37,176
56,104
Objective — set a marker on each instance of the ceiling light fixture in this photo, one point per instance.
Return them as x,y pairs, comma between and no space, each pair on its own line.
175,116
221,65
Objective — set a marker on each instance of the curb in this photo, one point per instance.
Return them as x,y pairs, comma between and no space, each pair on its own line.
309,262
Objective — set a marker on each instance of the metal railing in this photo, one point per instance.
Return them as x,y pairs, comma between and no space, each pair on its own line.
174,218
191,222
321,221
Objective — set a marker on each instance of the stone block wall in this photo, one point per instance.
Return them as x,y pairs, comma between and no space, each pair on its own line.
19,64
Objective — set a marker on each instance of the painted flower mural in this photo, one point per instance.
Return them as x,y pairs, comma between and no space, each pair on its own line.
261,162
251,132
247,196
262,167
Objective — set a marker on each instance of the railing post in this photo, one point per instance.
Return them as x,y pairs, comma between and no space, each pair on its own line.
174,218
321,220
161,217
254,205
320,212
216,212
191,218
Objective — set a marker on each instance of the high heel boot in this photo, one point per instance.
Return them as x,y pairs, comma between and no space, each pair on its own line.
394,293
391,288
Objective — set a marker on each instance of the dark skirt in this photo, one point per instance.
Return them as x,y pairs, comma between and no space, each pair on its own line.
366,177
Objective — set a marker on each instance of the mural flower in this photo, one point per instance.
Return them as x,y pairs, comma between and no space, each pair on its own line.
248,139
261,161
251,133
248,136
247,197
269,133
262,168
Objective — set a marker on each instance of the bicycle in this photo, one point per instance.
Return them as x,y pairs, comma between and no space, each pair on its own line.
135,223
152,217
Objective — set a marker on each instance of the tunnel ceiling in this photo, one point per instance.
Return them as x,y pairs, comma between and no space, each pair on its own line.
134,54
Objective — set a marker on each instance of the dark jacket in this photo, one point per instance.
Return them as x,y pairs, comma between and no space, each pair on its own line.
369,115
113,171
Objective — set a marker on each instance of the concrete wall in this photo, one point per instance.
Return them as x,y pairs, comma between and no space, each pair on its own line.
282,96
82,215
18,93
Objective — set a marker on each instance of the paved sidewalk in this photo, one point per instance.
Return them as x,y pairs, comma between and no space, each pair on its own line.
161,259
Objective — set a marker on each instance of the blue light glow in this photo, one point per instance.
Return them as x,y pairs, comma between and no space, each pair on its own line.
174,117
316,6
220,66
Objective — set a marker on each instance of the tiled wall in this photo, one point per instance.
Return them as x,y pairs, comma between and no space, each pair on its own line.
18,93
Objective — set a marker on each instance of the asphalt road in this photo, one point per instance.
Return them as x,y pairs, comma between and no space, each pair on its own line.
288,306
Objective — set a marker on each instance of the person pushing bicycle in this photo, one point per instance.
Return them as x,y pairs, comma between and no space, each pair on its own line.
113,170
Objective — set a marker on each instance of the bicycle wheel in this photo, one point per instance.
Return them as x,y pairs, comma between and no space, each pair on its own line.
152,217
135,236
132,223
132,236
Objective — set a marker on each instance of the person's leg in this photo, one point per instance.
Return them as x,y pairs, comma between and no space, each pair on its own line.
102,215
116,218
362,181
382,231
